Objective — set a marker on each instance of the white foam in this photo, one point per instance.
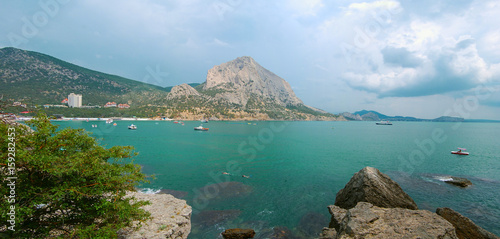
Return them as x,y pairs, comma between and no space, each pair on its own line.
149,190
444,179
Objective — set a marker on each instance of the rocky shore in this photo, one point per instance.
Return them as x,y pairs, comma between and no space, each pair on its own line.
372,205
170,218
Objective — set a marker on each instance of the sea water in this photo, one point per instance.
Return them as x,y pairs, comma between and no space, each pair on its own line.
295,169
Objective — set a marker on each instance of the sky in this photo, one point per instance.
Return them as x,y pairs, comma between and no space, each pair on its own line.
425,58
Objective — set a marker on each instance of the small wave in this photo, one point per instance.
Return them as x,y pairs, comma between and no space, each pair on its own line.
149,190
443,178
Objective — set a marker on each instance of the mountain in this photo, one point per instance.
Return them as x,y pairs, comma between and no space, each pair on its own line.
237,90
243,79
37,78
243,89
370,115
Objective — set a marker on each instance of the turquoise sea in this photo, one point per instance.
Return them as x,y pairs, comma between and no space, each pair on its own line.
296,168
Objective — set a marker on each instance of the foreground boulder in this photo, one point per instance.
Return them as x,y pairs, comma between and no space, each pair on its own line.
369,221
464,227
170,217
238,233
370,185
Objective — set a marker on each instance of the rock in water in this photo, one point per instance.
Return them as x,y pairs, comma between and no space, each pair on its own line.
368,221
370,185
461,182
464,227
238,233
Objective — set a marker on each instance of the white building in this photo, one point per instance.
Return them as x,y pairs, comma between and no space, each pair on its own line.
74,100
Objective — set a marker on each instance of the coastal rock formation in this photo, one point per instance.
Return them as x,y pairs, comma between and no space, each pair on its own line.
182,90
239,80
370,185
170,218
369,221
465,228
238,233
457,181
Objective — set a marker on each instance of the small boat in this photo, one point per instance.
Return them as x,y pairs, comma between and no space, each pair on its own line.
460,152
132,126
204,121
109,121
200,128
176,122
384,122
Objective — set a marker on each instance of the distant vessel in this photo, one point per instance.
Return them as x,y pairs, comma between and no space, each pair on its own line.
384,122
460,151
132,126
204,121
109,121
200,128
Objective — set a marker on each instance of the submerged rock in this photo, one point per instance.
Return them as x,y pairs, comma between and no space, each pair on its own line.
369,221
311,223
370,185
170,218
465,228
223,191
213,217
238,233
282,233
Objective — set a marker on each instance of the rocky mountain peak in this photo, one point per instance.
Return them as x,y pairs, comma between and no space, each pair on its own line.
243,78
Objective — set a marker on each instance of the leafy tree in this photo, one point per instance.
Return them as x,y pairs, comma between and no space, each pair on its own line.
67,185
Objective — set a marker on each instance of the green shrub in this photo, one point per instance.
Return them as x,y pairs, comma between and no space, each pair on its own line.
66,185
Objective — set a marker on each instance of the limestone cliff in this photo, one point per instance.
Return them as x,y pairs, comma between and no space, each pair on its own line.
241,79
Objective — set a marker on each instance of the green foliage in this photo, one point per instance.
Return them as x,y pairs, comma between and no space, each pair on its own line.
67,183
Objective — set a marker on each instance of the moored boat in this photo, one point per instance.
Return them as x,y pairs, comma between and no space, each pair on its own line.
132,126
460,151
200,128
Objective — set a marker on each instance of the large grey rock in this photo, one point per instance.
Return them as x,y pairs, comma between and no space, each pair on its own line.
370,185
170,218
464,227
369,221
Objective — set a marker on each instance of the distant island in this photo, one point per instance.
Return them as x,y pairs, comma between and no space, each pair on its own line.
370,115
240,89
